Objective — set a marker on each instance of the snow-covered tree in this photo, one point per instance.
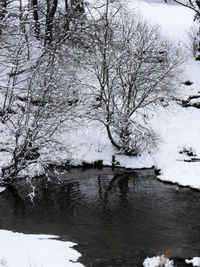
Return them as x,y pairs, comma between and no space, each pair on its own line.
38,91
133,69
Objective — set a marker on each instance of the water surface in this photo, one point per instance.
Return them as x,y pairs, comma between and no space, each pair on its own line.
116,217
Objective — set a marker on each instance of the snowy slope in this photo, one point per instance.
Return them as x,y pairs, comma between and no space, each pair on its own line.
175,21
179,127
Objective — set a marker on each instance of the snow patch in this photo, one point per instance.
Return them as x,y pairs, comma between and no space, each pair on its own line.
20,250
159,261
2,189
195,261
32,170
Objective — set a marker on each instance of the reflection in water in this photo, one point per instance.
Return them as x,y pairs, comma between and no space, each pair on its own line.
116,217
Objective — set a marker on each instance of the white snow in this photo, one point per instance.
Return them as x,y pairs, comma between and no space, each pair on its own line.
179,130
20,250
195,261
174,20
2,189
32,170
158,261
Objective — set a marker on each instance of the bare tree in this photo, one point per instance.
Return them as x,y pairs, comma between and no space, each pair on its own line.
132,70
38,90
45,102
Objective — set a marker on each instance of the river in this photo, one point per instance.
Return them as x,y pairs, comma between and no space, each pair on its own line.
116,217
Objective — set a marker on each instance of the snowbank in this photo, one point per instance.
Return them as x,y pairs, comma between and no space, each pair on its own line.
20,250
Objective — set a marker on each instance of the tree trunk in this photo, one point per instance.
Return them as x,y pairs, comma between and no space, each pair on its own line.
198,4
3,6
67,15
36,18
111,138
50,14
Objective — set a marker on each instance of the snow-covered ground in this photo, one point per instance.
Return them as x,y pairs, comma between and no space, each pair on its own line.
20,250
179,127
174,20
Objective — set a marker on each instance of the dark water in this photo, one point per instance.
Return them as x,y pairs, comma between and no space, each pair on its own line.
117,218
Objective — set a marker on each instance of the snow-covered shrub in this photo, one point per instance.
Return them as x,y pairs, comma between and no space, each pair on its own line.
158,261
134,137
3,263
